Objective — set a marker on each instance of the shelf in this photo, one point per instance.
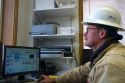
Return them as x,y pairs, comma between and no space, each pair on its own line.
47,56
55,36
56,12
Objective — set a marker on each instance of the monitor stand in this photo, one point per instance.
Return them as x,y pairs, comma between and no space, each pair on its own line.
21,77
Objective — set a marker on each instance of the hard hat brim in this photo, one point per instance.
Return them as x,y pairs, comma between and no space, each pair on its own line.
88,21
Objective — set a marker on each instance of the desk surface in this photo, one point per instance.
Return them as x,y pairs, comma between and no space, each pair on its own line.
31,82
15,81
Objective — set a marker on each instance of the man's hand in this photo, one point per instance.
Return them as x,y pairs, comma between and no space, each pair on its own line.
46,79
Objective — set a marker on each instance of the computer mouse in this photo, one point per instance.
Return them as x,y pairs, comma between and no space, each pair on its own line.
41,78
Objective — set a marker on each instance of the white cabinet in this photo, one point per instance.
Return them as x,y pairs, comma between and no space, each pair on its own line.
64,16
65,31
55,36
57,12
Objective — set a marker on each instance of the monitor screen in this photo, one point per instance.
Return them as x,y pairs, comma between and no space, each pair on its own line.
19,60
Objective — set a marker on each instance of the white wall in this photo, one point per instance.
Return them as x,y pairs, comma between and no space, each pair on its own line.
25,16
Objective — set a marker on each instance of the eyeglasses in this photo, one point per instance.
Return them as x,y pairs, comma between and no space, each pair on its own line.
87,29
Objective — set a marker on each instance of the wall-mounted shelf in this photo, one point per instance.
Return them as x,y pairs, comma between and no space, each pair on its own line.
56,12
51,56
55,36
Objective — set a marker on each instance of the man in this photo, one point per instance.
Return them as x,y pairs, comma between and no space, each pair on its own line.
107,64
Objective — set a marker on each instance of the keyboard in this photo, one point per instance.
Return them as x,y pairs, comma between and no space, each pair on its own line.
10,81
18,81
32,79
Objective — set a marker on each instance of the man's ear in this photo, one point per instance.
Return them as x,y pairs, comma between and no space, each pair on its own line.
102,33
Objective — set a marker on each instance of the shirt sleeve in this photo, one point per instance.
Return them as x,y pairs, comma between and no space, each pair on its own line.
76,75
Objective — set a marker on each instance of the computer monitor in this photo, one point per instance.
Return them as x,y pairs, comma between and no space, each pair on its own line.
19,60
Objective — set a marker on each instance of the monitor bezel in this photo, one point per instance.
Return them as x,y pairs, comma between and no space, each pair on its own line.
19,73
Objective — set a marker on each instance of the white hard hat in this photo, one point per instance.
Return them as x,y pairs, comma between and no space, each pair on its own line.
105,15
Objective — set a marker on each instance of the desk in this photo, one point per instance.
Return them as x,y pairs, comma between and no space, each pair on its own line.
15,81
31,82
